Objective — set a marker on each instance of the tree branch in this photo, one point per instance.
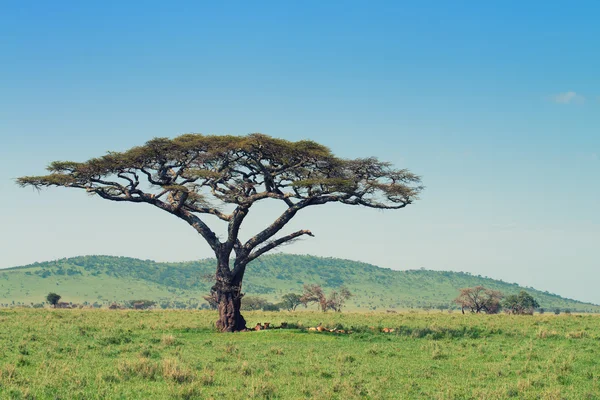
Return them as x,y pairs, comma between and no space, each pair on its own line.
275,227
278,242
179,174
237,217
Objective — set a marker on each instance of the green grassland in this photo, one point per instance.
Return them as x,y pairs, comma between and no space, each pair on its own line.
105,279
103,354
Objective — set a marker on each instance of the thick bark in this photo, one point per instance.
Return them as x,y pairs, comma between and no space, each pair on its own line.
227,293
230,302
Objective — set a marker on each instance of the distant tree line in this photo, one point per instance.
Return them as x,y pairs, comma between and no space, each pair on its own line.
478,299
312,294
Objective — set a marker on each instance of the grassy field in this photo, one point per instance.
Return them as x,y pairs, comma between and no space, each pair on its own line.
102,354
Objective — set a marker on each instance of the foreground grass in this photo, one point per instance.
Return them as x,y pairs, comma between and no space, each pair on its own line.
100,354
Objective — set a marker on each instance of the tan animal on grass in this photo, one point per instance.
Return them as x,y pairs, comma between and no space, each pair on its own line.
267,324
312,329
258,327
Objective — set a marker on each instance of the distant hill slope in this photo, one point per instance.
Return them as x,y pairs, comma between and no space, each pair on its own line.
106,279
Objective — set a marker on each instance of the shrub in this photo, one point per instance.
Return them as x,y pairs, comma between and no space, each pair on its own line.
253,303
521,304
142,368
171,369
140,304
271,307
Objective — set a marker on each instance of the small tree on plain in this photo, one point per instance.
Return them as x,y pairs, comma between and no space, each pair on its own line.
479,299
253,303
315,294
53,299
521,304
290,301
337,299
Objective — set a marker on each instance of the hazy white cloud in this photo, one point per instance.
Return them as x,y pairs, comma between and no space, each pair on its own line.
567,98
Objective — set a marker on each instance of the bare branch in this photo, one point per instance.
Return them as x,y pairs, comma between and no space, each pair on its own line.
271,245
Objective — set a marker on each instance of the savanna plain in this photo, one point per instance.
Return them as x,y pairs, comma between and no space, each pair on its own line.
167,354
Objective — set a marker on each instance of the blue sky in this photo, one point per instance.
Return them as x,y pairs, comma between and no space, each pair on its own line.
495,104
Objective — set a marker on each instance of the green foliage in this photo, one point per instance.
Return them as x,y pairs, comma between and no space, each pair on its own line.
207,161
53,298
271,307
290,301
253,303
523,303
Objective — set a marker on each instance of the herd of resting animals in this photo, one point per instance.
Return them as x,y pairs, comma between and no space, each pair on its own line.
318,328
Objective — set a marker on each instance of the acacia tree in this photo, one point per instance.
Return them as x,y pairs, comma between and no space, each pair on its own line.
53,298
315,294
478,299
187,175
337,299
290,301
253,303
521,304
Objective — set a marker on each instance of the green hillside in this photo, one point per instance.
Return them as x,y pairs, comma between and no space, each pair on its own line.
104,279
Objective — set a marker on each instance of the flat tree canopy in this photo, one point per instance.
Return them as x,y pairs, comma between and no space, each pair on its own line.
193,175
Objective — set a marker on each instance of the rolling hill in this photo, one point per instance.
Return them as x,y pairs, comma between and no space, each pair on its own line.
104,279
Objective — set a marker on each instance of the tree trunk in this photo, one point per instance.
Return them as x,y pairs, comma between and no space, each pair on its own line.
230,302
228,296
